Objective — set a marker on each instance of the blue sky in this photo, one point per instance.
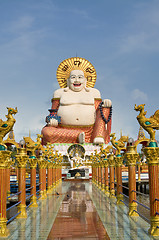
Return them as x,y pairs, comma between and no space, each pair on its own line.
119,37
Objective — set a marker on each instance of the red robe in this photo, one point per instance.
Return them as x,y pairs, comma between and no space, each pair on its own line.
69,134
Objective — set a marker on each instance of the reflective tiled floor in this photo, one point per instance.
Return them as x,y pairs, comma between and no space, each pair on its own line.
80,211
77,217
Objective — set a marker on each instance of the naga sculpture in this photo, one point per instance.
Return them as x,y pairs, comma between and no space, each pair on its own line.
7,126
119,144
149,124
78,114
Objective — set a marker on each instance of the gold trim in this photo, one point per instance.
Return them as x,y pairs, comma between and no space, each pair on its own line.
55,99
75,63
98,99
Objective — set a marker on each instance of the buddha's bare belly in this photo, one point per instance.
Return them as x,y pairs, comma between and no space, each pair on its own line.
77,114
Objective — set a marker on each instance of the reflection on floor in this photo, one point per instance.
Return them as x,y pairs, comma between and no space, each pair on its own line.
80,211
77,217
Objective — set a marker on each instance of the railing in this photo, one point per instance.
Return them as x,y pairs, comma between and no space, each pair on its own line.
26,193
38,191
131,200
16,204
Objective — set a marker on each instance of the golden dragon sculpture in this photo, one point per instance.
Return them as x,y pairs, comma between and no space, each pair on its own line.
119,144
149,124
7,126
105,151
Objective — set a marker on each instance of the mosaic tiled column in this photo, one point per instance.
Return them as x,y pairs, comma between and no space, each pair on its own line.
106,177
132,157
51,173
152,156
10,162
54,175
96,174
42,177
22,158
58,173
99,176
118,163
103,177
49,177
93,173
60,170
56,170
4,155
33,165
111,172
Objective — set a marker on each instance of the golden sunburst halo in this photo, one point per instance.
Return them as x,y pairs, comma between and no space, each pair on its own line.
75,63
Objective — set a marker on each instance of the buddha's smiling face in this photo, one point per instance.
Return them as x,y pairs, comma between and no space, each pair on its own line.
77,80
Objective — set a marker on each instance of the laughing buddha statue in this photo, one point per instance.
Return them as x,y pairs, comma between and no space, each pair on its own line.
78,114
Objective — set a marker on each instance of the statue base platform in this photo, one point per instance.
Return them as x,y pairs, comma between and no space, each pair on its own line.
76,159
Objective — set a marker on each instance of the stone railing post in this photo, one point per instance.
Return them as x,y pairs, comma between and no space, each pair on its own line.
118,163
111,172
4,156
152,156
132,157
22,158
33,165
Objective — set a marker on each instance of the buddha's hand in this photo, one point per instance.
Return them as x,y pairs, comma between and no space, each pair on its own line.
98,140
53,122
107,103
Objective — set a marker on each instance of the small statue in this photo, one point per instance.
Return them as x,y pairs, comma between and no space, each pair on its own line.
149,124
7,126
119,144
78,114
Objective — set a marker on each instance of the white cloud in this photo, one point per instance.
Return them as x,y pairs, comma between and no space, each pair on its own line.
139,95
